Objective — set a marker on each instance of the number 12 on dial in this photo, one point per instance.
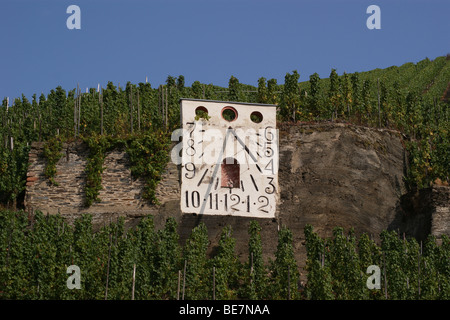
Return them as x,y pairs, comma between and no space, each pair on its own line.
227,203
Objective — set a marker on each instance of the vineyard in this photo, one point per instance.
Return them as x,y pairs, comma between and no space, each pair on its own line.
144,263
35,250
408,98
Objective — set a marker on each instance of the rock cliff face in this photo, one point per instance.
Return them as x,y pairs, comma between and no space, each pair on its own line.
424,212
340,175
330,175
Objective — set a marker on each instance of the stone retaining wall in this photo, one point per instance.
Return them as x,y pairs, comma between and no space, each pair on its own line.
121,193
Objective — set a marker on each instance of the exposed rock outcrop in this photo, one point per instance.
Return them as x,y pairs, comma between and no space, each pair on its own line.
330,175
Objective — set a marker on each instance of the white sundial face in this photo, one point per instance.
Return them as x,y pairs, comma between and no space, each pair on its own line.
229,162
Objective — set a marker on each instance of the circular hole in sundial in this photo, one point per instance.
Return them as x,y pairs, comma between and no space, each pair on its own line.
201,112
229,114
256,117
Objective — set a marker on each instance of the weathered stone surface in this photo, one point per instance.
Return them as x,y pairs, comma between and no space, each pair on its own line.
120,193
340,175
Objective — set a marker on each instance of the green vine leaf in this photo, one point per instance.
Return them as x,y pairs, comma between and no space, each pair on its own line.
52,152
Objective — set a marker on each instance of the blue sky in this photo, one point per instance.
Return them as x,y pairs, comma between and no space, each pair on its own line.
208,40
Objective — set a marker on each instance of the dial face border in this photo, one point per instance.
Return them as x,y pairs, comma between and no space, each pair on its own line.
202,191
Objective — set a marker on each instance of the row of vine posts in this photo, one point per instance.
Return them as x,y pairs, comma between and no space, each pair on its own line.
144,263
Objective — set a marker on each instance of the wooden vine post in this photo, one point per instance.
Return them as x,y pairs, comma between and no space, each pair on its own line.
289,283
100,98
379,106
139,112
184,278
178,287
107,269
214,283
385,280
134,280
131,109
74,116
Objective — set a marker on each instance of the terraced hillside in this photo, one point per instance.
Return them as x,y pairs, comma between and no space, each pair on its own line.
410,98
